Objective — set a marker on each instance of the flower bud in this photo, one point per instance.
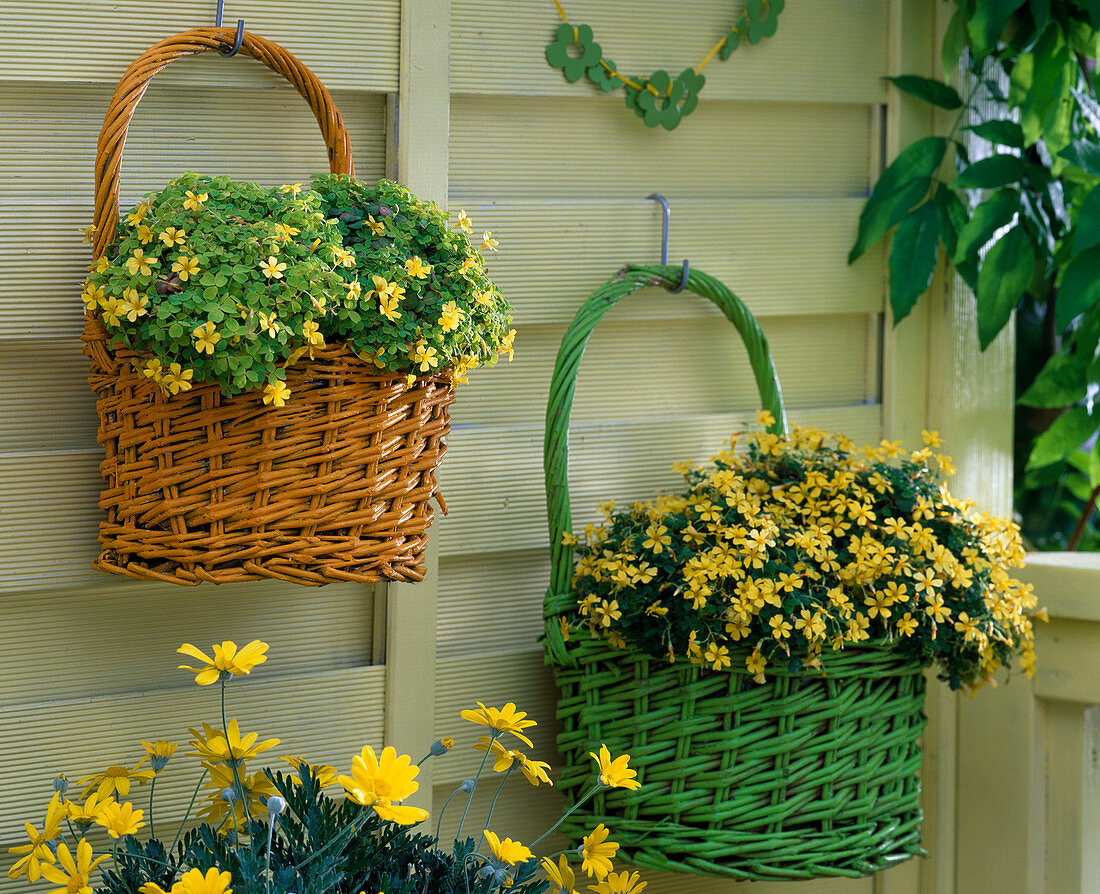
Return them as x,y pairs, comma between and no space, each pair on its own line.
228,795
276,804
61,783
442,746
468,785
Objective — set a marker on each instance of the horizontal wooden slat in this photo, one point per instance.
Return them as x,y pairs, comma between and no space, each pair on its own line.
306,633
780,256
1066,583
324,717
1068,661
500,49
694,366
51,407
514,149
347,45
493,481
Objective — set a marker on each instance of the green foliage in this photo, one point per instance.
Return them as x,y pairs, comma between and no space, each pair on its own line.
319,845
1019,215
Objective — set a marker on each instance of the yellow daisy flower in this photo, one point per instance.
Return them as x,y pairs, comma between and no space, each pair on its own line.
120,819
381,783
115,781
504,720
597,852
73,874
229,659
615,773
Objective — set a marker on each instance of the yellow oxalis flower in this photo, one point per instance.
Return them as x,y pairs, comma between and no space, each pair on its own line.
115,781
427,357
276,393
177,379
138,263
185,267
88,233
228,659
344,258
417,268
291,188
273,268
619,883
597,852
464,223
38,852
489,242
615,773
192,202
506,345
503,720
381,783
376,226
355,290
450,316
145,234
268,323
72,874
387,307
508,851
173,236
217,746
561,877
120,819
312,333
111,311
134,304
469,264
206,337
138,214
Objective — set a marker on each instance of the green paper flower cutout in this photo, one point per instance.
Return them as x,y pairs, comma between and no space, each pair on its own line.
693,82
633,94
603,78
733,39
763,18
662,109
557,53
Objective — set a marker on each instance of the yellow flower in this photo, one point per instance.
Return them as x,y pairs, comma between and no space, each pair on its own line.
469,264
185,267
464,223
145,234
192,202
153,370
931,438
228,660
427,357
506,344
111,311
114,780
504,720
102,264
38,852
355,290
276,393
765,418
968,627
387,307
619,883
218,747
376,227
489,242
907,624
756,664
173,236
134,304
508,851
781,629
597,853
417,268
194,882
451,316
84,816
88,233
286,232
615,773
504,757
159,752
138,214
138,263
268,323
273,268
484,297
381,783
73,874
534,771
323,773
344,258
93,296
561,877
256,787
312,334
206,337
291,188
717,656
120,819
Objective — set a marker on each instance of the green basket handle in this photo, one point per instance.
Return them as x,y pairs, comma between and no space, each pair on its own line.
559,599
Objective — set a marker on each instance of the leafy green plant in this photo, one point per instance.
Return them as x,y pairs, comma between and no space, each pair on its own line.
804,545
418,295
1011,196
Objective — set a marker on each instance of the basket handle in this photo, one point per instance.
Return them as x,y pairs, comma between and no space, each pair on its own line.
112,137
559,599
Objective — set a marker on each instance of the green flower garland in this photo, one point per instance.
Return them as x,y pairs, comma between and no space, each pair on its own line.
660,99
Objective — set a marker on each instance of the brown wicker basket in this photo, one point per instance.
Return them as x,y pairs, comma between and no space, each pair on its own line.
334,486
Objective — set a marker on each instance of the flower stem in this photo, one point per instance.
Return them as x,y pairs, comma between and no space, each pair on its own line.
563,817
493,803
233,767
152,788
187,815
270,835
439,822
477,778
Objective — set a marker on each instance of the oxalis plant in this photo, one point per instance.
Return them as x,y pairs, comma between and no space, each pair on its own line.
1010,194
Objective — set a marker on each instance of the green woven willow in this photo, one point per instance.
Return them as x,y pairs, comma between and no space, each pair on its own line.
805,776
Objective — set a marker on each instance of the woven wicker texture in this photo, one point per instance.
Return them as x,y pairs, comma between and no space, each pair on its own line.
802,777
335,486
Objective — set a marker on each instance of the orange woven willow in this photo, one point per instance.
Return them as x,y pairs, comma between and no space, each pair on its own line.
334,486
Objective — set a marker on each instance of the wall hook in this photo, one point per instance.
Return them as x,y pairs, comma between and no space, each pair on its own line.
236,48
666,213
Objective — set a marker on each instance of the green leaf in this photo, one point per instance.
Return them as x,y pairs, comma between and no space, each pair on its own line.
1067,434
1004,133
1084,155
1087,233
995,212
954,40
954,216
1002,280
913,257
991,173
902,185
988,21
935,92
1079,289
1061,382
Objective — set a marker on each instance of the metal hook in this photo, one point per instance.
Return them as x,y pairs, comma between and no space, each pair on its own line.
236,48
666,214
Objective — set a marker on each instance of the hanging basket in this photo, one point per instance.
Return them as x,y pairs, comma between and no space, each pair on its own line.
334,486
808,775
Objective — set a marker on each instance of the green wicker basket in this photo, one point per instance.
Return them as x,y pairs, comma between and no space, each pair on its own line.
807,775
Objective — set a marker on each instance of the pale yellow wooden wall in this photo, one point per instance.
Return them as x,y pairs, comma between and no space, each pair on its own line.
766,182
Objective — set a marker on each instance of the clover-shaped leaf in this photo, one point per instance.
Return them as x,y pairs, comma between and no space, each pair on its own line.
733,39
633,94
693,82
604,78
763,18
662,108
557,53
